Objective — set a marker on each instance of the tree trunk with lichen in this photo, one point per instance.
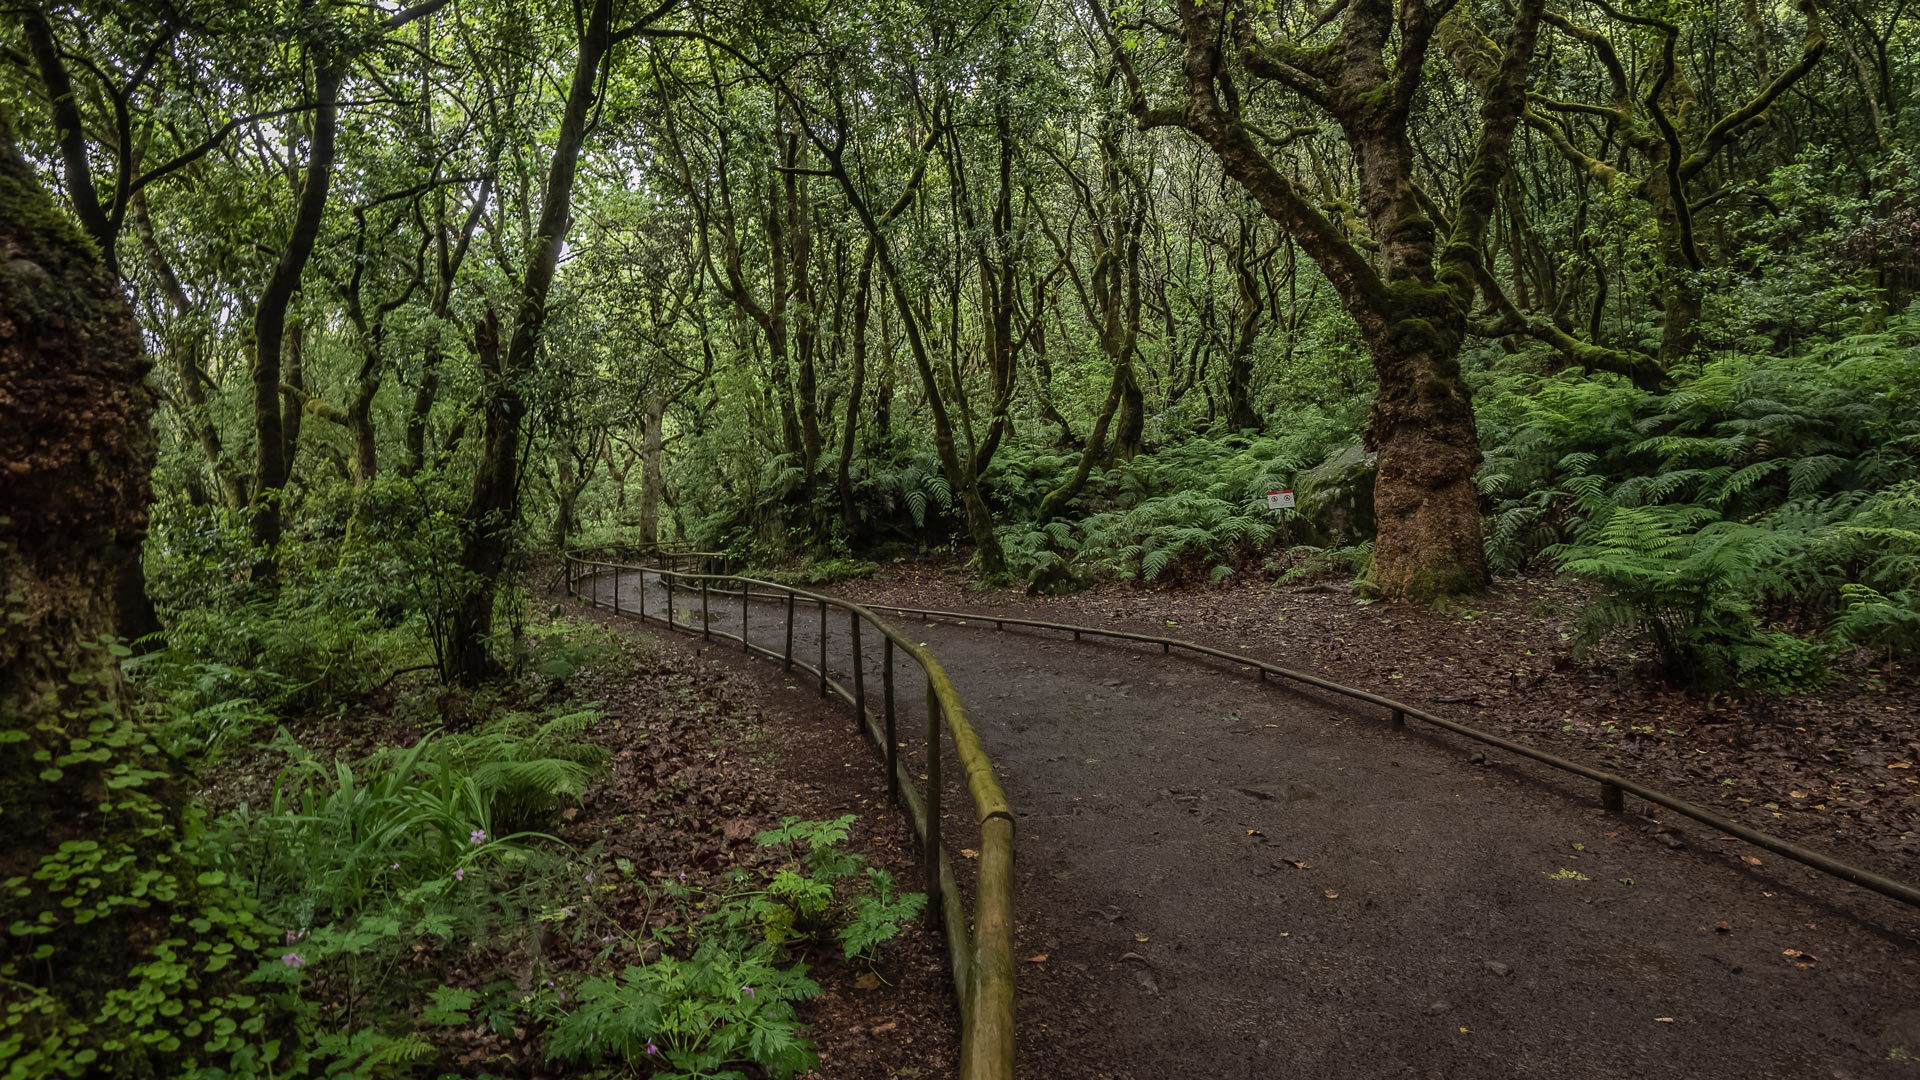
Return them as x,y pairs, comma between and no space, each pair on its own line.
272,439
1411,286
494,505
113,916
1425,501
74,412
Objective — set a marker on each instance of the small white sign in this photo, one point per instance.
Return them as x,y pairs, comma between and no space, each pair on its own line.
1280,500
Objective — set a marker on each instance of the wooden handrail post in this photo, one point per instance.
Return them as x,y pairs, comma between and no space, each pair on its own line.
616,591
789,653
706,621
643,594
744,647
823,648
669,576
932,853
986,1046
893,740
859,675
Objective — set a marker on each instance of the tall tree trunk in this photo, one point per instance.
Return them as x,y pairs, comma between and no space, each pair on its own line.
862,291
1425,498
496,484
1057,499
652,454
1246,328
1410,294
270,317
93,816
1130,426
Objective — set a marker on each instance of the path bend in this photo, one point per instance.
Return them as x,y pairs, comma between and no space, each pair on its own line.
1222,878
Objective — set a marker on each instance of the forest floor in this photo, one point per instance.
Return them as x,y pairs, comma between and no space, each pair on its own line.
703,757
1217,878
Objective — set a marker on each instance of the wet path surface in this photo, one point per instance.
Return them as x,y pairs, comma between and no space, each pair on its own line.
1220,878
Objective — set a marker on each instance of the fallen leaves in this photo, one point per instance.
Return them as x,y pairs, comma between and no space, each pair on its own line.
1037,958
1751,860
1331,895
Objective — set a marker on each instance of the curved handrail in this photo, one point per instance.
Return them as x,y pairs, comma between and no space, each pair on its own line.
1612,785
982,960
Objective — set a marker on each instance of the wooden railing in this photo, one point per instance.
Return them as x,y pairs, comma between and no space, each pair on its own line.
980,948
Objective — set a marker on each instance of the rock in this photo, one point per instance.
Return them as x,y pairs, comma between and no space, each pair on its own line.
1435,1008
1333,504
1672,841
1477,759
1495,967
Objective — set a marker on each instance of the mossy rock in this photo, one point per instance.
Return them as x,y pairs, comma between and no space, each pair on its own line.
1334,499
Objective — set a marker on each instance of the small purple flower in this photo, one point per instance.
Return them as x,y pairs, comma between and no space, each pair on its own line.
747,990
652,1049
460,874
292,960
606,938
683,877
589,879
478,836
292,937
395,866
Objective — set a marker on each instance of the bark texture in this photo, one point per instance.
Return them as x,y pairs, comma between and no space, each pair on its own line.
494,505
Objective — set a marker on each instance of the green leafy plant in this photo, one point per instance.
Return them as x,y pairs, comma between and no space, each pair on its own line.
708,1016
878,916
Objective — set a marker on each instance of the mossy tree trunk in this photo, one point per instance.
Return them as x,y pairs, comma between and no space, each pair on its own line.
494,505
272,462
112,915
1409,293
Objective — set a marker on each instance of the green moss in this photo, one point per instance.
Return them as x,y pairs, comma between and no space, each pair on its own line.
1431,584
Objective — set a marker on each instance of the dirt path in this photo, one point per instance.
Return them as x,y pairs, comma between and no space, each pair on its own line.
1223,879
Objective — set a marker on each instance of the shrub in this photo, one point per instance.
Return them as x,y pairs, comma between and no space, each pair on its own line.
699,1017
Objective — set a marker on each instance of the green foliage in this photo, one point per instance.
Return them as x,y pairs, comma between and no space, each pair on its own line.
1353,561
802,902
705,1016
1199,502
878,916
1758,493
151,940
1684,589
410,823
729,1003
1882,540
